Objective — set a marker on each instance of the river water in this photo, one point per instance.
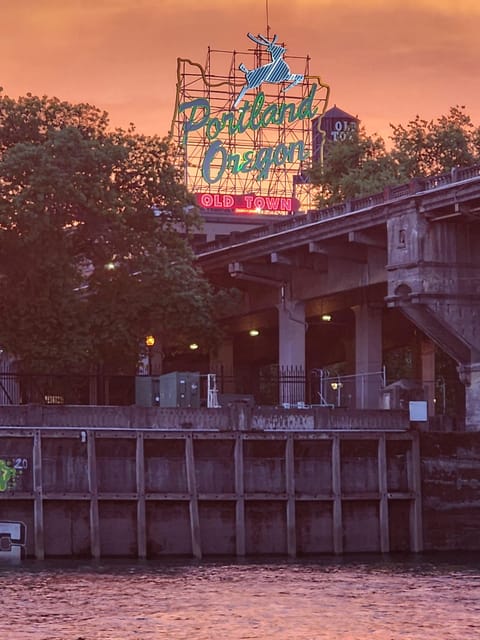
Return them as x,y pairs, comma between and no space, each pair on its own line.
407,598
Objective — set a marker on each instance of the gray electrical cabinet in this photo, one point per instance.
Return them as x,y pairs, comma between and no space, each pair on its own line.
180,389
147,391
176,389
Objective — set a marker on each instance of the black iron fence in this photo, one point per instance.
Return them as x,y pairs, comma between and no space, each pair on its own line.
23,388
270,385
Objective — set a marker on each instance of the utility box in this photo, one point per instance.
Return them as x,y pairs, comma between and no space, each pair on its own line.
176,389
398,394
180,389
147,391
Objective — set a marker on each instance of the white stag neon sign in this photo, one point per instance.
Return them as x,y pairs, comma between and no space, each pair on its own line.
274,72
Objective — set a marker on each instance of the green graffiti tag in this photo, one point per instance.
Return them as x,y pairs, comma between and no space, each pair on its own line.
8,475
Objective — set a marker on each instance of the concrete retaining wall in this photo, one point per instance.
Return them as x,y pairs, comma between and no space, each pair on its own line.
450,469
288,489
237,416
149,493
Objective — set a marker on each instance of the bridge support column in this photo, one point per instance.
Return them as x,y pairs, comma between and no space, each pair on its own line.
291,349
368,355
470,376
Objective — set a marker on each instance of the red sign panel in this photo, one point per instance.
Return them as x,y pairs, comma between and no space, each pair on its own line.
249,202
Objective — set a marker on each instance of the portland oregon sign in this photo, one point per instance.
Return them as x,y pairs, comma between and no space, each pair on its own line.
243,126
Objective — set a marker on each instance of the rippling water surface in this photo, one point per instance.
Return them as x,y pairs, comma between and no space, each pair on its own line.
407,599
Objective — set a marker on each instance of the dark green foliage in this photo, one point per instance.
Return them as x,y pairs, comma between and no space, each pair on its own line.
428,148
94,250
354,167
361,165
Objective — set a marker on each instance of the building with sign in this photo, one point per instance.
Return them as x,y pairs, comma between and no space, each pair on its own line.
333,126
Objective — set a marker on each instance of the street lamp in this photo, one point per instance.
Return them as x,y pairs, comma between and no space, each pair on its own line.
149,341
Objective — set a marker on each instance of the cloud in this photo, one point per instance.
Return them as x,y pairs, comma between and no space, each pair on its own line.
385,60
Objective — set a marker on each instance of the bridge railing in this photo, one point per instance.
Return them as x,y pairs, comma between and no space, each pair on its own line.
416,185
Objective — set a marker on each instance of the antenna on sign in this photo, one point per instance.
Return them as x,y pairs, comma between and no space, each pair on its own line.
268,26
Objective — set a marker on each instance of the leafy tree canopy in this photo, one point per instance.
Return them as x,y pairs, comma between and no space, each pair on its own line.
361,165
94,241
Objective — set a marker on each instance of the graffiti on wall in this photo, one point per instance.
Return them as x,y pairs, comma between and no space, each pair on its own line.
10,471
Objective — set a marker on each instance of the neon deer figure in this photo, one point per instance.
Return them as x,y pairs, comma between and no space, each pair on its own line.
275,71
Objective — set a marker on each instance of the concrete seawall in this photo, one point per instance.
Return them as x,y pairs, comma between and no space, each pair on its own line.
237,416
235,489
450,470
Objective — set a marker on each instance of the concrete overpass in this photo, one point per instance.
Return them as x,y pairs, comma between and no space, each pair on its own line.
412,248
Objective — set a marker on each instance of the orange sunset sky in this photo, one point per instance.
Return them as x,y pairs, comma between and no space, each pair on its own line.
385,60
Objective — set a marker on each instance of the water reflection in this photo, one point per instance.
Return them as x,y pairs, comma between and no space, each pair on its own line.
436,598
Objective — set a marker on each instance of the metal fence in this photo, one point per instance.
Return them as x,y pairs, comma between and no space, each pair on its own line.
269,386
22,388
355,391
292,387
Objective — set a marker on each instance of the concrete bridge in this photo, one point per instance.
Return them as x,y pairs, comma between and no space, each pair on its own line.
403,260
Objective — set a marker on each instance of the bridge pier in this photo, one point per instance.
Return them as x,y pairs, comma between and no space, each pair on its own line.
434,278
470,376
291,342
368,354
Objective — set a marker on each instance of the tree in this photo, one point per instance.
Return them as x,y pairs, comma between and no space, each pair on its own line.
360,165
94,241
354,167
425,148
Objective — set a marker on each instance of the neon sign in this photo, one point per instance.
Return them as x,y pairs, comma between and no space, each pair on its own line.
250,116
250,131
275,71
247,203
